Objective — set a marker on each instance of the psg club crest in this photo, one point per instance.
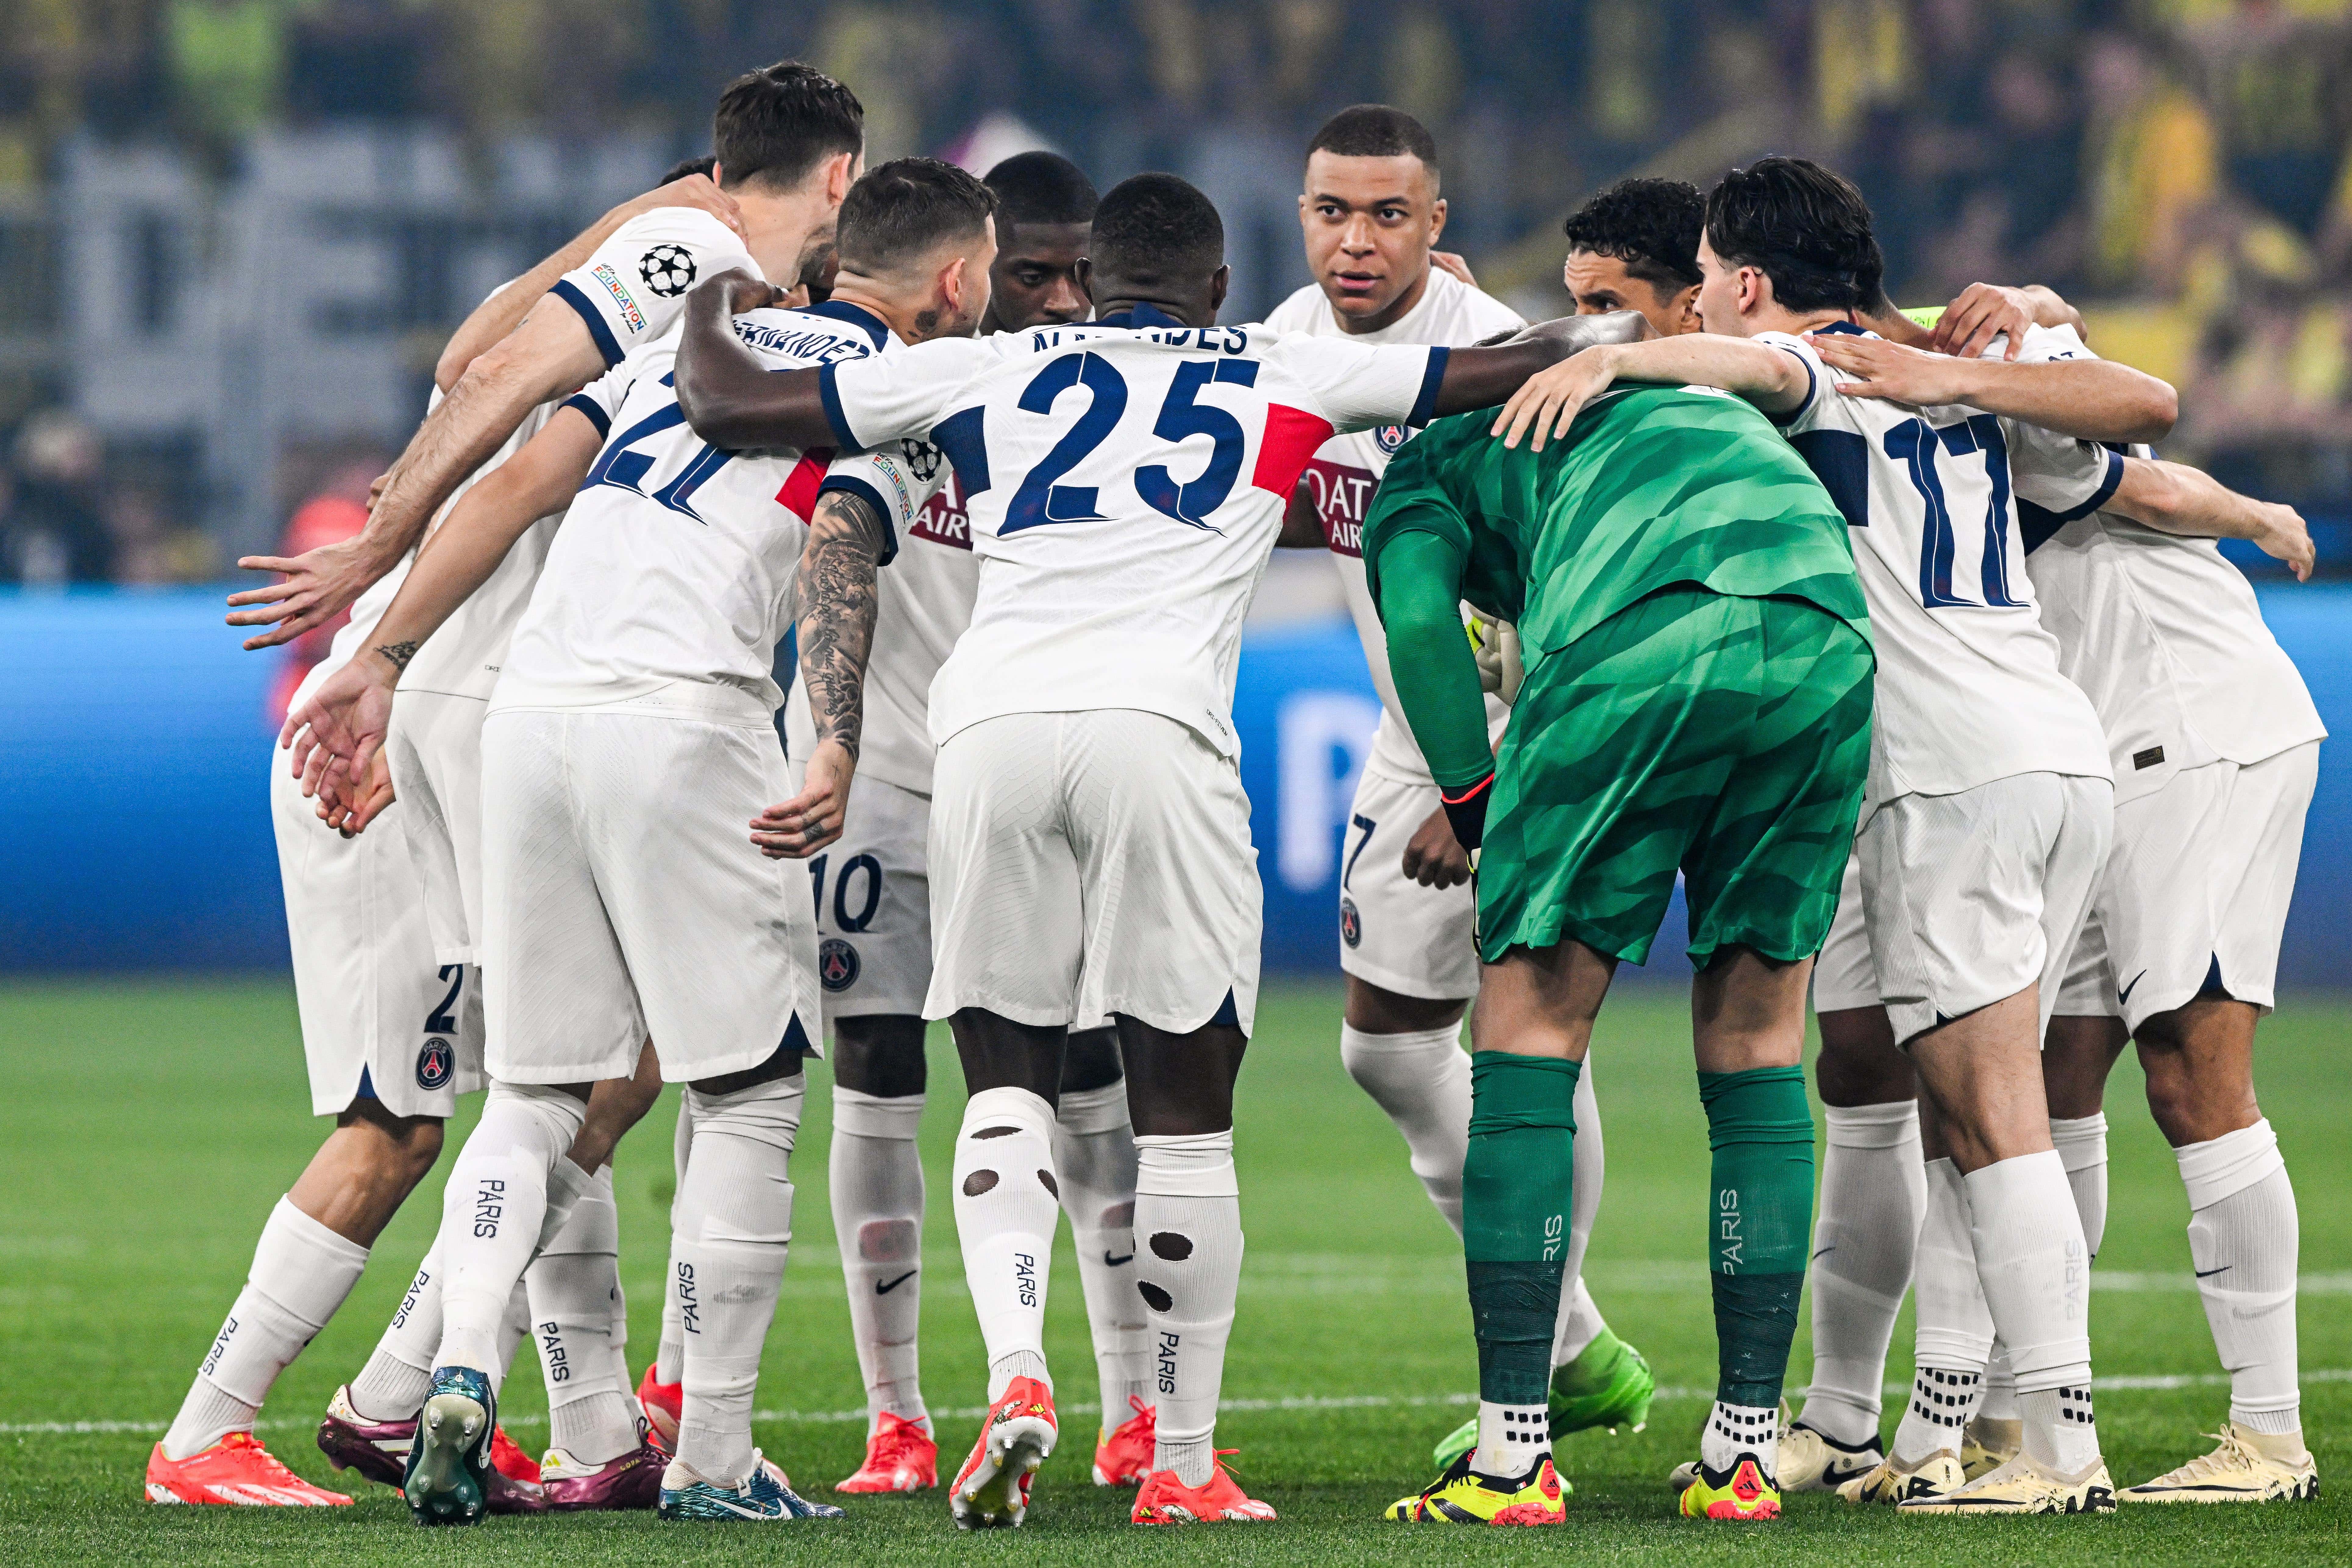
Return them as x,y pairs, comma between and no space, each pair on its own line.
836,964
668,270
436,1063
1388,437
1351,924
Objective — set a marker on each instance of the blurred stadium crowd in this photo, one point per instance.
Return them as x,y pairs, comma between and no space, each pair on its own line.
2180,167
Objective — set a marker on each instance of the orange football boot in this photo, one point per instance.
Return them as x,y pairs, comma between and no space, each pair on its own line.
992,1490
1123,1456
1164,1499
901,1457
237,1469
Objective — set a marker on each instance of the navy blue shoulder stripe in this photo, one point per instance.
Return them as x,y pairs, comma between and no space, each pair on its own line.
593,410
1424,407
569,292
857,316
845,440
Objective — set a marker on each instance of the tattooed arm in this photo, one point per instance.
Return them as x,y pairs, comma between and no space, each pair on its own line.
846,541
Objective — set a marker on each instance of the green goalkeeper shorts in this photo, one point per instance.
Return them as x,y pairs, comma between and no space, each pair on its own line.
1725,737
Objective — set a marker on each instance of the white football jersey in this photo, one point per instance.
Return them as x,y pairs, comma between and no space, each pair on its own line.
921,607
1348,468
631,291
1126,481
1968,686
671,581
2163,634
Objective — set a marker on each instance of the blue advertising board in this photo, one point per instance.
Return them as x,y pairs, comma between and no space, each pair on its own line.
135,740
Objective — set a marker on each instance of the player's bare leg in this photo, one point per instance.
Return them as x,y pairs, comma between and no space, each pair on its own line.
880,1078
2243,1244
310,1254
1866,1235
1007,1204
1188,1232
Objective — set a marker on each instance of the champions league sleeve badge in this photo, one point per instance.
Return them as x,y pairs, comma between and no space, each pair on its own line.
668,270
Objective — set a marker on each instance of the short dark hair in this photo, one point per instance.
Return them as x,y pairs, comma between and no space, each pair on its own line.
1651,225
1375,131
775,126
1042,187
1802,225
680,170
900,213
1153,224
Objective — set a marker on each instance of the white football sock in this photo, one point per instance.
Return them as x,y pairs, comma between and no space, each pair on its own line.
1580,1321
1865,1235
514,1327
569,1287
1735,1429
2082,1144
393,1384
2000,1401
1094,1158
1187,1235
1511,1439
301,1274
492,1211
734,1221
1955,1329
1423,1081
2036,1273
876,1176
2243,1244
669,1352
1007,1203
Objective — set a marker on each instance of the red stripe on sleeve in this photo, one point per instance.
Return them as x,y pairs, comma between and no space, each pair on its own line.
1292,436
799,494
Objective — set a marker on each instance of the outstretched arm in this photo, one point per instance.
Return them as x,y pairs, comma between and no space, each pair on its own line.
2090,399
727,394
846,541
1484,376
2173,497
497,316
552,353
1772,378
343,723
1436,674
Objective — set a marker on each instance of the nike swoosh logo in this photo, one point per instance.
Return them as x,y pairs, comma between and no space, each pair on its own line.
2123,997
883,1287
2209,1273
1824,1252
1113,1262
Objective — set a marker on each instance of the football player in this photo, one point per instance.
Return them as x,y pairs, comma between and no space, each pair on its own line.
1372,216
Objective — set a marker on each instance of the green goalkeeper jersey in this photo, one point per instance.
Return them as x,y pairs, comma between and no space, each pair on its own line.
1652,486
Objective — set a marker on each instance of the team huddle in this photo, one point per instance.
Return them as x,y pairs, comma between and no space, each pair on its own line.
1884,635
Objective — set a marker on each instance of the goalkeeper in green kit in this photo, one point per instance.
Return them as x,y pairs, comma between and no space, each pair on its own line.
1696,698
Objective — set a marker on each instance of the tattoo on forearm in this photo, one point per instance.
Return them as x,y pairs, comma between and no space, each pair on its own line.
399,653
837,605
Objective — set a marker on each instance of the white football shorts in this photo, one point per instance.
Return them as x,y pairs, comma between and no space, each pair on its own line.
1394,933
2195,891
382,1018
622,898
1086,865
1844,976
872,896
1972,897
436,752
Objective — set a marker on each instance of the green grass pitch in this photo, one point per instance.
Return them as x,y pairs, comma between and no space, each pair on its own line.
149,1128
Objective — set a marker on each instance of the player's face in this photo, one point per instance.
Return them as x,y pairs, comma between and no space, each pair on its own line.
1719,294
1600,284
1036,278
1370,224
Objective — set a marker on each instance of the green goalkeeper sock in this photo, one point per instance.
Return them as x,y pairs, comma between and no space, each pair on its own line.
1516,1182
1759,1224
